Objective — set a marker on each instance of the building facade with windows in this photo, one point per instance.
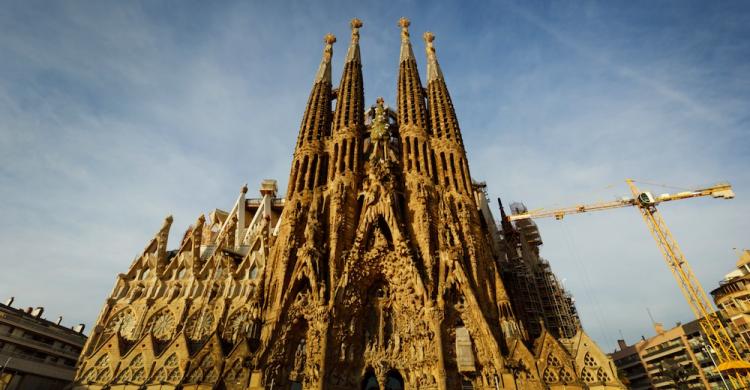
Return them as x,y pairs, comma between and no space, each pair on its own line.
732,298
36,353
675,358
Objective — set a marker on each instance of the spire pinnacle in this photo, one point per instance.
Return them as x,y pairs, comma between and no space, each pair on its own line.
433,69
324,71
406,51
353,53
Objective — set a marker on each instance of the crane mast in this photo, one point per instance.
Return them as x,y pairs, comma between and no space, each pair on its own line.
730,361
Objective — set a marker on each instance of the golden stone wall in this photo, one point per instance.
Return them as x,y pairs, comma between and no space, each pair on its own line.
375,271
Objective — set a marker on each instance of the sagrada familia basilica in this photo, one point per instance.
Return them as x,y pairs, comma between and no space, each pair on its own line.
382,267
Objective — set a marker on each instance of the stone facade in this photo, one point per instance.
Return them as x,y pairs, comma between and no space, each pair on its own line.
377,269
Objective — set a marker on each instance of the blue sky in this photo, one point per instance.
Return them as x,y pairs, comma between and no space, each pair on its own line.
115,114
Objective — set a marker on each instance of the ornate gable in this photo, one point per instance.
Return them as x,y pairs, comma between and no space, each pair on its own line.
594,368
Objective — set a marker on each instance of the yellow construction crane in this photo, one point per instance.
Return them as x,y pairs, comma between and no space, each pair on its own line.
730,361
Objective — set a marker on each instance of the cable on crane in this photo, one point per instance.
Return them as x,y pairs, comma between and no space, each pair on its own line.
587,286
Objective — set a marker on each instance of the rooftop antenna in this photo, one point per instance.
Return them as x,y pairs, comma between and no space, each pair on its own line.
650,316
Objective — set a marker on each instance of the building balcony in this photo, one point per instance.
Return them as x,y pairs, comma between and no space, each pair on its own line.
664,351
38,346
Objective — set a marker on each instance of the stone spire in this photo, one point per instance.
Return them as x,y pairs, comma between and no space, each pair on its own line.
308,168
353,53
324,71
406,51
346,158
452,165
433,68
411,105
416,154
351,95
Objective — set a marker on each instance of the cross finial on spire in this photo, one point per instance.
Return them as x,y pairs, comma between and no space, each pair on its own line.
330,39
355,25
353,53
324,71
433,69
404,23
406,52
429,37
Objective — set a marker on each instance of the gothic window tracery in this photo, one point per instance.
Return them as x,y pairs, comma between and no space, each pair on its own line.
123,323
138,376
602,375
553,361
589,361
160,376
235,325
161,325
549,375
100,372
234,372
587,376
566,376
170,371
133,372
199,325
206,372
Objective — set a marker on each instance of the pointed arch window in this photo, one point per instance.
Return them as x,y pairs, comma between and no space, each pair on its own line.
302,173
416,153
335,160
352,150
394,381
370,382
312,172
407,155
342,161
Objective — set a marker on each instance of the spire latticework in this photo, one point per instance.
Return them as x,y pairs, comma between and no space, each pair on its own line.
351,95
412,111
452,165
309,168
